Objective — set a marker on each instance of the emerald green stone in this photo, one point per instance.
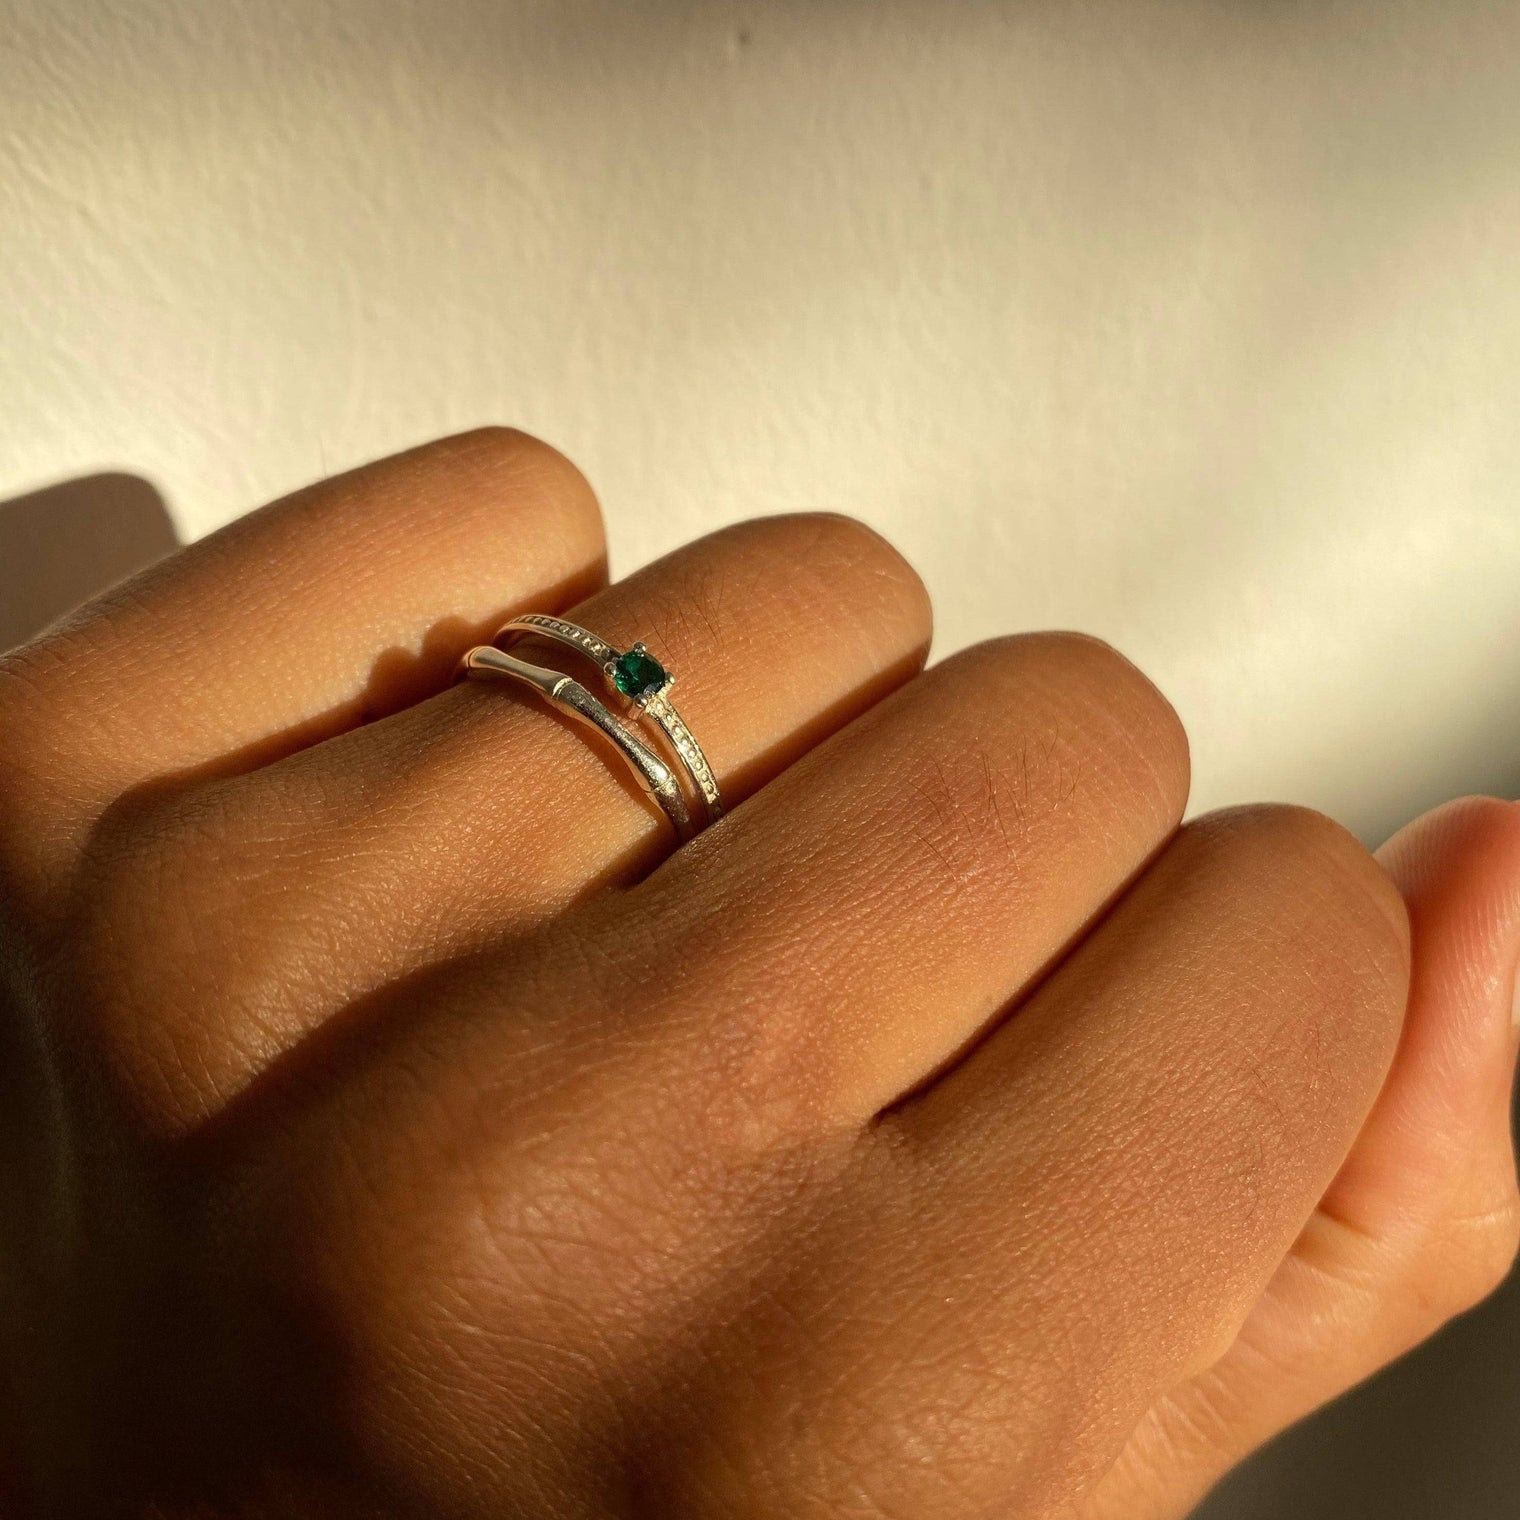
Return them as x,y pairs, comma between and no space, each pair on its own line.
636,675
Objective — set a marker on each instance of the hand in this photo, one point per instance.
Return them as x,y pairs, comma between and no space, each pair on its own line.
392,1129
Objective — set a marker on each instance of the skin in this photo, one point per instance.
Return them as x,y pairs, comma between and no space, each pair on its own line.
395,1126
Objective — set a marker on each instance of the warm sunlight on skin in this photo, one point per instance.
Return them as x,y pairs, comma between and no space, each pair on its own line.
397,1123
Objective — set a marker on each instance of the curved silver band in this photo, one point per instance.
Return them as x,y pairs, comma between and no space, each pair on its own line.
571,697
654,705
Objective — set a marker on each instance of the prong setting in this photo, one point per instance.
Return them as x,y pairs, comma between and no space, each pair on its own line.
638,675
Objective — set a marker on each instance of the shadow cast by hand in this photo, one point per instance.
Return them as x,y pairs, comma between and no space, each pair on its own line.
63,544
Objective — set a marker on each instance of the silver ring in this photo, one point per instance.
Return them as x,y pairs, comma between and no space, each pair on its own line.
645,682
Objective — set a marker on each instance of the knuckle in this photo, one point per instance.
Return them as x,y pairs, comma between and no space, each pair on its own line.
1321,917
982,800
536,474
1295,853
849,561
1033,738
1071,704
686,607
510,447
805,569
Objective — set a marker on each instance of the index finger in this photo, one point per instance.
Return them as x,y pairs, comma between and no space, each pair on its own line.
292,624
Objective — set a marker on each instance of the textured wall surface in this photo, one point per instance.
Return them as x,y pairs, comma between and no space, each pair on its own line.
1192,324
1196,325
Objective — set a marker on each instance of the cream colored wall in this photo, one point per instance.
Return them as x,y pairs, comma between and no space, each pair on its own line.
1196,325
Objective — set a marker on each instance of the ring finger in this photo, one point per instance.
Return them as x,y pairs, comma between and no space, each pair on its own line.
477,814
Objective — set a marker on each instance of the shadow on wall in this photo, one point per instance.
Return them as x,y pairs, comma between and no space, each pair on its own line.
1430,1439
61,545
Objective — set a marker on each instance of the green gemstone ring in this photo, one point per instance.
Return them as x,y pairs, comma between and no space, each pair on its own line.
641,678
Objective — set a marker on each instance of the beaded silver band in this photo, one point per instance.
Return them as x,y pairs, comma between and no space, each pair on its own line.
646,683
